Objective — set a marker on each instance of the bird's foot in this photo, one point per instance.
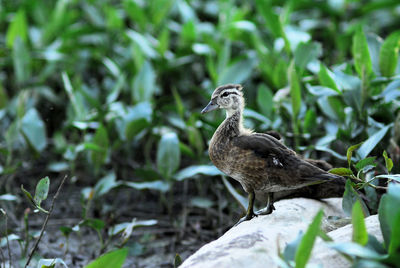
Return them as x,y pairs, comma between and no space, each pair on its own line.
266,211
246,218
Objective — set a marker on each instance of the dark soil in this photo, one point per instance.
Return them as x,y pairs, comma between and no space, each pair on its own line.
184,230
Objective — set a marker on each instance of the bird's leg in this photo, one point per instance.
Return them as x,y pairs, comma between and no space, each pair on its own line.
269,208
250,213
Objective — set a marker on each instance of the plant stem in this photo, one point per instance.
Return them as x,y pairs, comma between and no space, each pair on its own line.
45,222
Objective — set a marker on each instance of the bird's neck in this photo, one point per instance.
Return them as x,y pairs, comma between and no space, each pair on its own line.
232,125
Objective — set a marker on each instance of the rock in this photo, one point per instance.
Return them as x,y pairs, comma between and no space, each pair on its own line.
255,243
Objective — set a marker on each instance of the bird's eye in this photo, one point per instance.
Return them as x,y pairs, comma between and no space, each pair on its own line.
225,94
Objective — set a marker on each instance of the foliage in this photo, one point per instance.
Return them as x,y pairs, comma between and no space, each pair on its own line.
111,92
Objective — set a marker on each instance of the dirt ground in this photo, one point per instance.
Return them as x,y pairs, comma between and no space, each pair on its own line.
182,231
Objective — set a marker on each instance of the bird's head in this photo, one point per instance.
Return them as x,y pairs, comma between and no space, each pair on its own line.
228,97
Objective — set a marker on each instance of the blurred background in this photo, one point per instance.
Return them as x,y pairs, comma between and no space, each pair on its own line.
110,93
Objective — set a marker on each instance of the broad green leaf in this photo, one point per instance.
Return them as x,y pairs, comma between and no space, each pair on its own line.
372,141
295,90
350,197
265,100
365,162
34,130
357,250
17,28
188,32
360,235
394,246
201,202
161,186
389,54
195,139
192,171
100,139
238,72
310,121
304,249
143,44
238,197
289,252
362,59
395,177
105,184
96,224
21,60
144,84
326,78
306,52
388,162
350,150
341,171
42,189
113,259
135,127
168,154
388,211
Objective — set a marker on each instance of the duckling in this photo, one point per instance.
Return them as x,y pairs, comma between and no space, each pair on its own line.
259,162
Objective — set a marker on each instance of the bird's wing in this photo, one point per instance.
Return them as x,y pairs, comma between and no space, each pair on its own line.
281,161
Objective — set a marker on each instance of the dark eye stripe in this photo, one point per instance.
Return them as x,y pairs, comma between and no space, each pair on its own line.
227,93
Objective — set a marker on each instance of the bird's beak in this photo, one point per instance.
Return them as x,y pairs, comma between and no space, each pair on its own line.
211,106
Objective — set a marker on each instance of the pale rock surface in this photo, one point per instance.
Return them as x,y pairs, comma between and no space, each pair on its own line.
255,243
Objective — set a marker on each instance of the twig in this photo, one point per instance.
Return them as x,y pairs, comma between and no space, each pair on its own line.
45,222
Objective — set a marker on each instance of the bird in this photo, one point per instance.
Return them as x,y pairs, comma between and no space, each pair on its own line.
260,162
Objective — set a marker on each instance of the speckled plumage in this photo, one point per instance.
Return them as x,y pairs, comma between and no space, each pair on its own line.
260,162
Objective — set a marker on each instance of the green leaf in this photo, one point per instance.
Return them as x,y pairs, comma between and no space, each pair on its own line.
135,127
144,84
192,171
389,54
44,263
290,250
357,250
341,171
238,197
265,100
310,121
177,260
96,224
326,78
18,28
365,162
304,249
388,162
100,139
161,186
388,210
113,259
28,195
362,59
350,150
42,189
238,72
350,197
21,61
105,184
168,154
394,246
360,235
306,52
34,130
295,90
372,141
